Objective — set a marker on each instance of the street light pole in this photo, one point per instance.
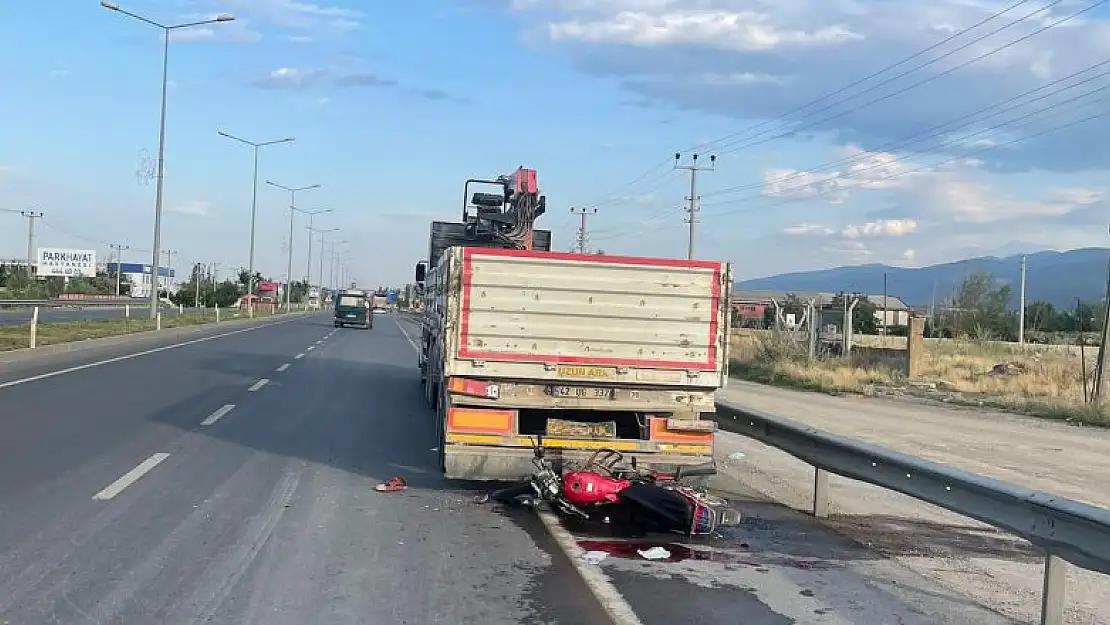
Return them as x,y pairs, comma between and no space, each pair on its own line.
311,214
254,208
320,283
166,30
292,211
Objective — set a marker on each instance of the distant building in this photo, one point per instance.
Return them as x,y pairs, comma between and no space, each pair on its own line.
139,275
753,304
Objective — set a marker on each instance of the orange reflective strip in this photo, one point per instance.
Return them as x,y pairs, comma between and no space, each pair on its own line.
660,433
480,421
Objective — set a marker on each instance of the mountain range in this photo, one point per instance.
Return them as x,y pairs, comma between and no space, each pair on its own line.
1056,277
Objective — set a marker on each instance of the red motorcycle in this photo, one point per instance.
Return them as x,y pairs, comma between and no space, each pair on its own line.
606,486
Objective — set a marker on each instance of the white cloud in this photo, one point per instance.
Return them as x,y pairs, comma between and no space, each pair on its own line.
705,55
807,228
909,255
746,31
292,78
884,227
193,208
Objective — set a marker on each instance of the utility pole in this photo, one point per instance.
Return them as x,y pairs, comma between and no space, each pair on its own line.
583,232
885,313
118,248
1103,355
694,200
308,270
31,217
1021,305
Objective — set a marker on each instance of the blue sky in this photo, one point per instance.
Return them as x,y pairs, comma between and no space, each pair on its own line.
394,105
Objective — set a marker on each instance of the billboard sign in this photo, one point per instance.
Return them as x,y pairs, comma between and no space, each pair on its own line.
54,261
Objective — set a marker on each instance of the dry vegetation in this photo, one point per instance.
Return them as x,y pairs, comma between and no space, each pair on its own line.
1043,380
19,336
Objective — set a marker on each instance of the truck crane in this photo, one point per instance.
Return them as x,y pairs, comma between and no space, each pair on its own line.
588,351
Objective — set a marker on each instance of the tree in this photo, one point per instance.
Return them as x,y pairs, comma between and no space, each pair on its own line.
1041,317
981,308
863,315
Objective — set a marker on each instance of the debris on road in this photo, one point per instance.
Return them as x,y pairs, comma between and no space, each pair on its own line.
596,557
655,553
392,485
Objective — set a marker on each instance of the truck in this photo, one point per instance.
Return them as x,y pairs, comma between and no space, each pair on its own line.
522,346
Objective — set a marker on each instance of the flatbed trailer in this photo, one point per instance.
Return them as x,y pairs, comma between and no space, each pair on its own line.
585,351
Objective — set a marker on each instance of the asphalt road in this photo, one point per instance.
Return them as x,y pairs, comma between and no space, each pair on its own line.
178,486
124,500
56,315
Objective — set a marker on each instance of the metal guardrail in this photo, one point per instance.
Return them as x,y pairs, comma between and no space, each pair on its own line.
1067,530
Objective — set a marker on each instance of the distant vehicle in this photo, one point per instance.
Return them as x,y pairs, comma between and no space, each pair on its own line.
353,308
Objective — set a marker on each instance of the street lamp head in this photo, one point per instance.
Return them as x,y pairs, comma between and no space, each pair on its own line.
288,140
225,17
315,186
111,6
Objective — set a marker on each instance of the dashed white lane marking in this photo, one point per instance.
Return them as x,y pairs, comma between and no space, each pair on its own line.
310,348
147,352
130,477
257,385
616,607
407,337
282,368
299,356
216,416
320,341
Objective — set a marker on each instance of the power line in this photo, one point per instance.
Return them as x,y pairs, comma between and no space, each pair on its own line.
936,130
886,69
927,167
919,83
849,86
933,166
949,143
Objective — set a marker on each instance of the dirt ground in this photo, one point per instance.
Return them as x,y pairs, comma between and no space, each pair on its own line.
996,570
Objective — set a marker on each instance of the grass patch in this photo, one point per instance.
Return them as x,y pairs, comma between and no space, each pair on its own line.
1043,381
19,337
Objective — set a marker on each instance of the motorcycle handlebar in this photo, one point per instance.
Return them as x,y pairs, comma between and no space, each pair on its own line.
708,468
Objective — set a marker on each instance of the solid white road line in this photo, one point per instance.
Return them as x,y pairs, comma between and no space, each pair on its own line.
299,356
257,385
216,416
407,337
282,368
616,607
130,477
164,348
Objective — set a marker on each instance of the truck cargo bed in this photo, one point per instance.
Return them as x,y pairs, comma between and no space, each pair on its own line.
544,315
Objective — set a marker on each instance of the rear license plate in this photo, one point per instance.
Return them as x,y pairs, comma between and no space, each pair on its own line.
583,372
583,392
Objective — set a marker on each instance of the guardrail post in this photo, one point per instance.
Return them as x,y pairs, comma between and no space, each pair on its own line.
181,309
34,327
820,493
127,311
158,321
1052,597
217,313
